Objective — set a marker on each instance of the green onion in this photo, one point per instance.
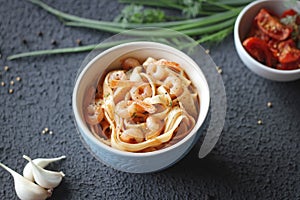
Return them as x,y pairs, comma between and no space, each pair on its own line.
214,26
218,36
219,17
69,50
53,51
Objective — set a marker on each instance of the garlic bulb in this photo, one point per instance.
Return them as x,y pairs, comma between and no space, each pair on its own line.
25,189
42,162
45,178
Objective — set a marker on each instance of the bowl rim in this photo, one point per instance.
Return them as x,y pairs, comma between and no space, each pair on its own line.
238,41
79,122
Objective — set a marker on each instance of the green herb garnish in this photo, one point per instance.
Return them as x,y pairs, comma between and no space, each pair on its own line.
139,15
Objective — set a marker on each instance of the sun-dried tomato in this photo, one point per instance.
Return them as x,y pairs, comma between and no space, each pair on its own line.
289,12
271,25
259,50
288,53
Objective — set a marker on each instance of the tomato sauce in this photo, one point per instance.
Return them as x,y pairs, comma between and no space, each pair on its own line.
275,40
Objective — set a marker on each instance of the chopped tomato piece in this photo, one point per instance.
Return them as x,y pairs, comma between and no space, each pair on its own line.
288,53
256,32
289,66
271,25
290,12
259,50
289,42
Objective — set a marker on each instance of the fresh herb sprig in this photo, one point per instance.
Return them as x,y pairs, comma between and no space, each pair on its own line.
214,25
139,15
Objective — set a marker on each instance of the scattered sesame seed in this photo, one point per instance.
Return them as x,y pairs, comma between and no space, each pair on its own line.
11,82
18,78
79,42
6,68
24,41
53,42
10,91
40,33
269,104
2,84
46,130
207,51
259,122
219,69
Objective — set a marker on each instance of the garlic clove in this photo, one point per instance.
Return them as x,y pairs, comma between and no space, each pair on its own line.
42,162
45,178
25,189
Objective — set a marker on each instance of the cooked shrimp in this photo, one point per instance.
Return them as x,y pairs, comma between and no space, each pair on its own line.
130,63
139,106
155,126
172,65
141,92
94,114
117,75
174,85
132,135
157,71
117,78
122,110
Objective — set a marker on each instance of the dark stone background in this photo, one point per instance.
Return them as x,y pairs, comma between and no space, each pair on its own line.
250,161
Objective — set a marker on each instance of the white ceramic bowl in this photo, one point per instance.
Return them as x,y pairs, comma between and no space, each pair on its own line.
241,29
128,161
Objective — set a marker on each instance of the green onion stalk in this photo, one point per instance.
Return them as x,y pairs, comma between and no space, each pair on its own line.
212,26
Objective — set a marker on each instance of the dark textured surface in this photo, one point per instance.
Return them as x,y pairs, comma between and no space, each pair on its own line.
250,161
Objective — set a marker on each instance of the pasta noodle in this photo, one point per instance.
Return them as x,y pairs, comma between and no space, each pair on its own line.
142,107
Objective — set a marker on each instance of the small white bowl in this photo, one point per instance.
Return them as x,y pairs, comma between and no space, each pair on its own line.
110,59
241,29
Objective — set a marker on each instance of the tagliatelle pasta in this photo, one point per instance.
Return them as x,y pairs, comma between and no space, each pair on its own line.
142,107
